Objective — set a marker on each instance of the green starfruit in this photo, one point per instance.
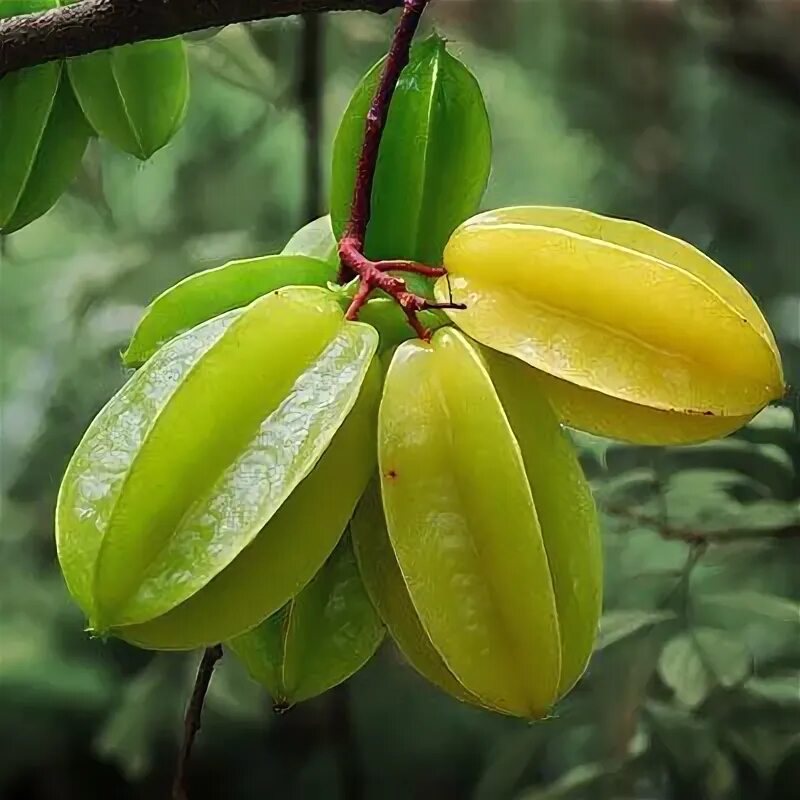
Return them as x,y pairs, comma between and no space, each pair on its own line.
208,294
319,639
434,159
134,95
177,518
43,137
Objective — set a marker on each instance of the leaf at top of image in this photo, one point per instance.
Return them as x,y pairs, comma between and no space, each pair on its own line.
434,159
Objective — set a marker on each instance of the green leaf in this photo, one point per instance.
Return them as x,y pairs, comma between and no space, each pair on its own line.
689,739
682,670
150,706
692,663
316,240
324,635
779,609
726,658
44,138
780,689
434,158
184,467
579,782
618,625
208,294
134,95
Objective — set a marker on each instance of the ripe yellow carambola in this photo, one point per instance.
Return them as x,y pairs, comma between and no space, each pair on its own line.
214,485
490,578
632,334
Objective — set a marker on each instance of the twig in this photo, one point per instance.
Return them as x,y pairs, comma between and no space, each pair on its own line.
396,61
310,92
700,537
351,246
344,744
80,28
193,718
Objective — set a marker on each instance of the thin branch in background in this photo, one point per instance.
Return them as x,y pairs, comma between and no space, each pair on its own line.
701,537
193,719
344,744
81,28
310,90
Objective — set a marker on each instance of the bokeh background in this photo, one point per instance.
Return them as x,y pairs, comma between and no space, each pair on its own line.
685,115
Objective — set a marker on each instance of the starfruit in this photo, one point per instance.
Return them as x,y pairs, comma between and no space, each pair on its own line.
488,573
631,333
437,116
208,294
42,134
134,95
315,240
319,639
214,485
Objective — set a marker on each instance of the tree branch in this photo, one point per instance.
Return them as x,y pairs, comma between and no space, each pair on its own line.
91,25
194,712
373,274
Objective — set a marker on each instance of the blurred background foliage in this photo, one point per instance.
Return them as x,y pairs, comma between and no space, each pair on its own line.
685,115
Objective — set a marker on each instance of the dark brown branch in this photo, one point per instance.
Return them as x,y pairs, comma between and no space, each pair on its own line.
194,713
75,30
310,94
701,537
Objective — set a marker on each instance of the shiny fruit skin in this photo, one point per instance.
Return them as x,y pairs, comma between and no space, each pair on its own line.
463,525
319,639
634,334
182,469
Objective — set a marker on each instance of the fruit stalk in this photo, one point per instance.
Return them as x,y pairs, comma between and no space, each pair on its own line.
354,263
194,713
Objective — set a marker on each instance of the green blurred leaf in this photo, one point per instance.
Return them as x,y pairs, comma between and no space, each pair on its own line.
689,740
618,625
780,609
577,783
682,670
148,712
725,657
779,689
434,158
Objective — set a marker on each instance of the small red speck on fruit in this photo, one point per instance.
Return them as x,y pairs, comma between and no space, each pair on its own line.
391,474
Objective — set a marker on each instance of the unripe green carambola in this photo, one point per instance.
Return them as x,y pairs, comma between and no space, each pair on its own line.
214,485
134,95
319,639
43,134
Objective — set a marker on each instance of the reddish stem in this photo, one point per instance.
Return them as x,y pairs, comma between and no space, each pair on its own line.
374,275
399,54
351,246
